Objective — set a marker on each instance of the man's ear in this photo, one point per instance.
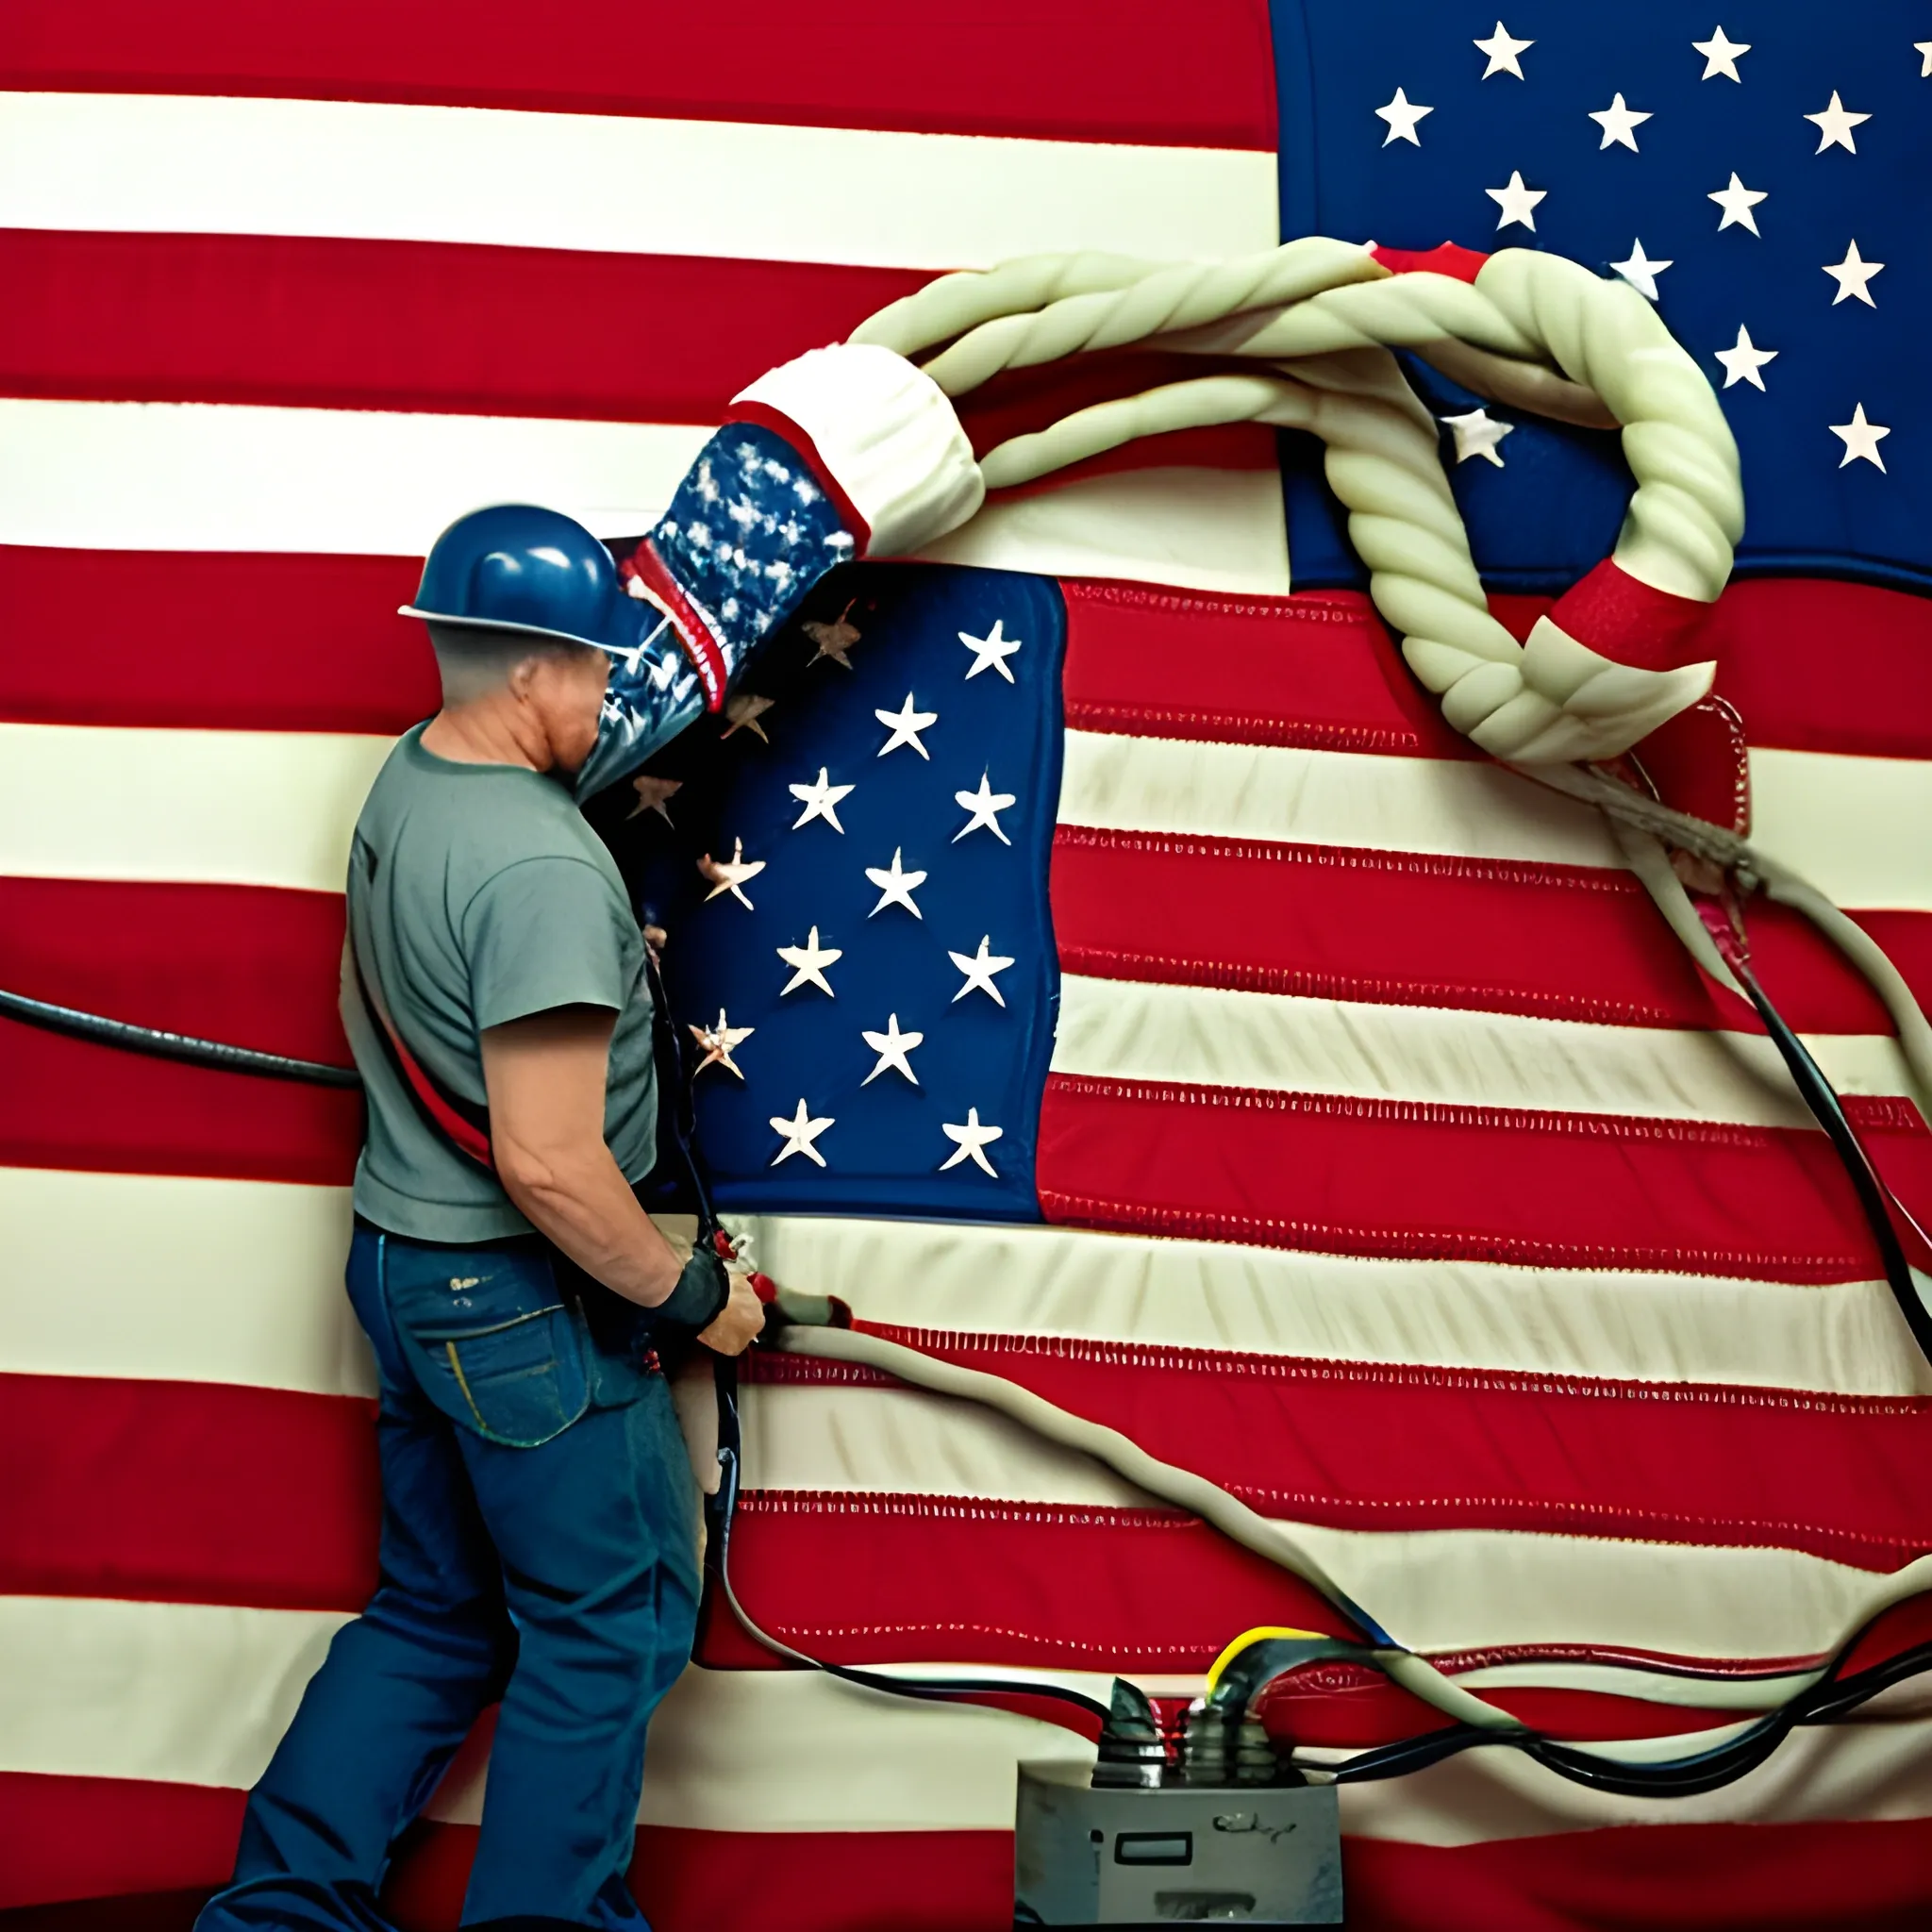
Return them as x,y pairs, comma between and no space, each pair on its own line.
522,674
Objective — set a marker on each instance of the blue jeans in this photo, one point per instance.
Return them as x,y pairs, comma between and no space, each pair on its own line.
539,1545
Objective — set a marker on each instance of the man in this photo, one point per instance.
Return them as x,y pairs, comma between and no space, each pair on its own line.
539,1539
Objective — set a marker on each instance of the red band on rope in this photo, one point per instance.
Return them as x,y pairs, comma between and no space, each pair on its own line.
1628,620
1445,258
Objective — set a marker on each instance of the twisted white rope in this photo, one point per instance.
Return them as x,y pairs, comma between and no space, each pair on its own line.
1534,328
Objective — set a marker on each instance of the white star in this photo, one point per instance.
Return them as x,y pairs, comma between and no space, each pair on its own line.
1721,55
1503,50
819,800
730,875
1737,202
808,963
1834,124
994,648
1641,272
971,1143
984,806
905,724
1402,114
1853,274
979,969
896,888
1924,50
1618,123
892,1047
1742,362
719,1042
1860,439
1476,435
1517,202
800,1131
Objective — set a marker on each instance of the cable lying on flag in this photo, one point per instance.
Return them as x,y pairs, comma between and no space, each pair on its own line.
1258,1659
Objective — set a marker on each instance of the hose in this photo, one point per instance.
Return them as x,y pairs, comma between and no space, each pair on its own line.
172,1046
1477,1721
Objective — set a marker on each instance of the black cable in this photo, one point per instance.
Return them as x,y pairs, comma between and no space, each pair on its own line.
1825,1701
929,1690
172,1046
1827,1108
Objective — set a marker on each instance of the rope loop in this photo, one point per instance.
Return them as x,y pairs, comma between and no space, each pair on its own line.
1318,318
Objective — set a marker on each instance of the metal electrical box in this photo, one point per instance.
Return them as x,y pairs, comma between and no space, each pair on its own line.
1178,1856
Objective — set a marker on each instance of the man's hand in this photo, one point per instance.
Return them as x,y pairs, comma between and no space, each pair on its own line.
738,1325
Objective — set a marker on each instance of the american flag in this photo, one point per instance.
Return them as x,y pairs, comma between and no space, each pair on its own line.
1364,1141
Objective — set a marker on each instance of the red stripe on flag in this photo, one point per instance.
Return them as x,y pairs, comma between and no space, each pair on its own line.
72,1104
1148,71
756,1881
94,1837
1812,664
186,1493
1334,1442
1317,671
1401,1178
1553,942
213,641
1835,1876
250,964
1667,1877
209,1493
359,324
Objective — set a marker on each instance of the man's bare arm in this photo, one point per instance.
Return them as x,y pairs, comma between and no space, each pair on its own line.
545,1079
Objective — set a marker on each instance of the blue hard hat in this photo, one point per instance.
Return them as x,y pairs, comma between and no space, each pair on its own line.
520,568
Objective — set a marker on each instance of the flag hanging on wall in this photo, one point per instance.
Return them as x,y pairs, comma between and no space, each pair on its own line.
1110,969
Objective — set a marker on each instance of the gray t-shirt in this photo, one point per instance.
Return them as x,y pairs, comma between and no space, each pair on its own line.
478,895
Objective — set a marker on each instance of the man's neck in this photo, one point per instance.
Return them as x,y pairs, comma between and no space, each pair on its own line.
487,731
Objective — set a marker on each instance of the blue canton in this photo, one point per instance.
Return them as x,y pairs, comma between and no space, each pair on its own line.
1553,509
980,1063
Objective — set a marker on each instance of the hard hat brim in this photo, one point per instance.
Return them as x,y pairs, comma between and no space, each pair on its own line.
529,630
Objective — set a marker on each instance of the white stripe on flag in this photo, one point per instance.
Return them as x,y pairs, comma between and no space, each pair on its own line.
175,1277
360,482
1846,823
178,1278
110,803
1615,1324
1465,809
234,808
1436,1590
188,1693
190,165
192,1693
373,482
1213,1036
1188,528
1859,829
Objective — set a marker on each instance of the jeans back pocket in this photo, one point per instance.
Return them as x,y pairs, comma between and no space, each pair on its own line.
491,1339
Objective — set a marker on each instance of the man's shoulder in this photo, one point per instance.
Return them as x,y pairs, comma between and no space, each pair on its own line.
472,820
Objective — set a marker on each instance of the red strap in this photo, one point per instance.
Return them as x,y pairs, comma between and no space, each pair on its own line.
462,1134
440,1112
